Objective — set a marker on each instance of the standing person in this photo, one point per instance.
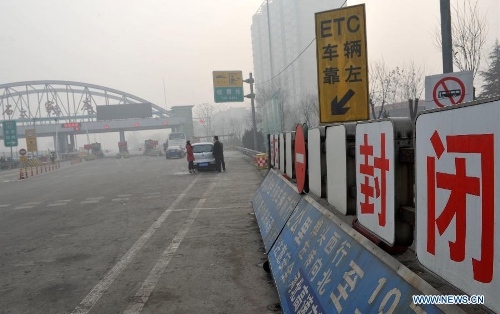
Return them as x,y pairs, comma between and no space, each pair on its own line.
222,159
218,153
190,156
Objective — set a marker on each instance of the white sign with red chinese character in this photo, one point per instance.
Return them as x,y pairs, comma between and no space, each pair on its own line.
457,186
375,178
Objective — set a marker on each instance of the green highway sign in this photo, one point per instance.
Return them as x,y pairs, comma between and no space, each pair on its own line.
9,133
228,94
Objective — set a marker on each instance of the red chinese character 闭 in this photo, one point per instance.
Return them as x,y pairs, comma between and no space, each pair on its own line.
379,190
460,185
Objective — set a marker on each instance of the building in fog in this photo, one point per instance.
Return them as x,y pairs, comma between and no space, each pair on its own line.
292,29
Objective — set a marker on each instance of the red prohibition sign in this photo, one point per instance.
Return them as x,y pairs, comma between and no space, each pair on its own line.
442,82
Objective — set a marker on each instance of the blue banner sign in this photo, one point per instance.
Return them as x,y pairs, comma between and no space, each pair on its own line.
273,204
319,268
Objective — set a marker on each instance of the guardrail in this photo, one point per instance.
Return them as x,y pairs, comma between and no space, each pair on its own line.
248,152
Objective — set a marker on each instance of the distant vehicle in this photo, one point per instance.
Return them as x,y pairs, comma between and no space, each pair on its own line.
177,139
174,151
151,148
203,155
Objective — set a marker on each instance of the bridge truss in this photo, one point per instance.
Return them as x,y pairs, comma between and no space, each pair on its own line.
47,101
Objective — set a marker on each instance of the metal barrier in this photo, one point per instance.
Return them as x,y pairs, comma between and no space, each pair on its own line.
248,152
259,158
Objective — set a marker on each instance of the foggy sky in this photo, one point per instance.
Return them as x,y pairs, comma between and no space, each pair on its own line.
133,45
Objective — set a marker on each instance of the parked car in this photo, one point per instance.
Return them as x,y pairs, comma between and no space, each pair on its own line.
174,151
203,156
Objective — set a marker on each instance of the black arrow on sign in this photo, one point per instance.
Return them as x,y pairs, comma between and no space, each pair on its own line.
338,106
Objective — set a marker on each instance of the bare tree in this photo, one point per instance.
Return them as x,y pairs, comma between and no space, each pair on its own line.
383,87
205,113
236,127
293,117
309,109
410,81
469,31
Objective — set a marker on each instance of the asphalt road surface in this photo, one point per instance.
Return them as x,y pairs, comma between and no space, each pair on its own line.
138,235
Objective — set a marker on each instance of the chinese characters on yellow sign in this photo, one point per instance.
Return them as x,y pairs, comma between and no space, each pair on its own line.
342,65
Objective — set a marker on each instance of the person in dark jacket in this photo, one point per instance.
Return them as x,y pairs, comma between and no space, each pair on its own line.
218,153
190,156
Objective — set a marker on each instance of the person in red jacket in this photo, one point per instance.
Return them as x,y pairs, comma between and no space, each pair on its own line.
190,156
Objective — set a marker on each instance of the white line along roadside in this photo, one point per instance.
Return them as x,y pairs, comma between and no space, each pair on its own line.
91,299
147,287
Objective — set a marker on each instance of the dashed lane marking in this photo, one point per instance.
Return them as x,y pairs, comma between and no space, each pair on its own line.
56,204
91,299
90,202
120,199
143,293
24,207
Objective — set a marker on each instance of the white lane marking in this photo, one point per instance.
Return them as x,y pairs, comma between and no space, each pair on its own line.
90,202
5,205
32,203
91,299
95,198
147,287
24,207
120,199
56,204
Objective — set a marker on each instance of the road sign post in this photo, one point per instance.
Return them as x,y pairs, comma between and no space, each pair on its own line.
228,86
342,64
10,133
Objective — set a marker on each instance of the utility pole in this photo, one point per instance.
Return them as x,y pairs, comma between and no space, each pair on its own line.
270,41
446,41
250,81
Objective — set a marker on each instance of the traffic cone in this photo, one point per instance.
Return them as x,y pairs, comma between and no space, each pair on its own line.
21,176
26,172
